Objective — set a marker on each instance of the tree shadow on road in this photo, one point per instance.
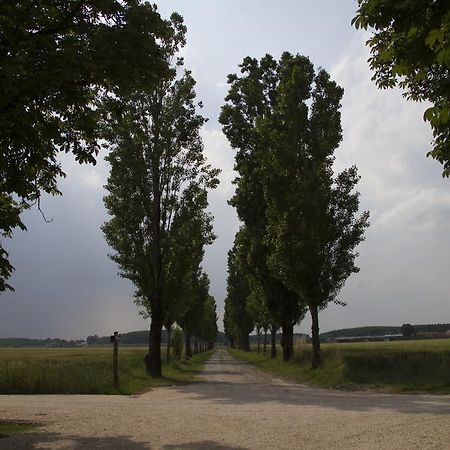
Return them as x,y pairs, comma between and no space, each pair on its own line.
257,387
209,445
38,440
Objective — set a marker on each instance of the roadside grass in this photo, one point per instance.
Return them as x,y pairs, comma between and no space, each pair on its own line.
87,371
8,428
399,366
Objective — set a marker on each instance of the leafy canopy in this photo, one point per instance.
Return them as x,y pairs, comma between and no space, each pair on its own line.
251,98
59,61
410,47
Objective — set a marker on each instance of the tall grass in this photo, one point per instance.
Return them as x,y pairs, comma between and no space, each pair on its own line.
85,371
407,366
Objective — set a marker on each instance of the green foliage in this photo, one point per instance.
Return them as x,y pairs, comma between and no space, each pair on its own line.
177,343
157,189
301,231
50,342
238,319
58,68
382,330
186,284
407,330
360,331
86,371
8,428
251,98
410,47
206,328
417,366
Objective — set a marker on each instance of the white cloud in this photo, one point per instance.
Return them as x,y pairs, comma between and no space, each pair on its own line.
220,155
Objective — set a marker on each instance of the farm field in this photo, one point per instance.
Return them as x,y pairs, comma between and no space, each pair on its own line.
86,371
399,366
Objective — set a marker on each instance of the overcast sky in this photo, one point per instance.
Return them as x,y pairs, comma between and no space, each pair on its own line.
67,287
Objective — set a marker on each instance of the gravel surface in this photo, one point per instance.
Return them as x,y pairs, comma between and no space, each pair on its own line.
233,407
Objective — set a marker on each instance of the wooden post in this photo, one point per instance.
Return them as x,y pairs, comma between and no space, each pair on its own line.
115,340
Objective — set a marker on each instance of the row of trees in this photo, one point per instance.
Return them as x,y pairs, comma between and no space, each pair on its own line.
157,200
300,227
81,75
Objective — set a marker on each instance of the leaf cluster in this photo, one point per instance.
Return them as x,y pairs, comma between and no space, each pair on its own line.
410,47
59,61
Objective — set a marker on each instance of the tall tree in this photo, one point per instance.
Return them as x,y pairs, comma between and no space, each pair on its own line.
191,231
410,47
313,223
205,328
284,121
194,301
59,60
157,155
251,97
239,316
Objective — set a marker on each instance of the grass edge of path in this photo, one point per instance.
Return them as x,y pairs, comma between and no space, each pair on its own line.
176,372
9,428
330,377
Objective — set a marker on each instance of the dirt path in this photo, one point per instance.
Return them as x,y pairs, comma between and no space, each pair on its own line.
235,407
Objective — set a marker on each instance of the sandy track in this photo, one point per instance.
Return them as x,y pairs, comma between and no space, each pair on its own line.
235,407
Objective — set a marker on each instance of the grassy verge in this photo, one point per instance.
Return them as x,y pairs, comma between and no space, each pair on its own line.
407,366
7,429
86,371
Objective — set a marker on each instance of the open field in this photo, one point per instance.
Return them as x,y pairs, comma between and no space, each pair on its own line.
402,366
86,371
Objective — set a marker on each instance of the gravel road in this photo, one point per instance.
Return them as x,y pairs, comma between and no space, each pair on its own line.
233,407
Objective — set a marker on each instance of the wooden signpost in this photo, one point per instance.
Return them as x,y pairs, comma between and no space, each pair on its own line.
114,338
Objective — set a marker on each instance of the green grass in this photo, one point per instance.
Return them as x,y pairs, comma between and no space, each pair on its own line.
399,366
86,371
7,429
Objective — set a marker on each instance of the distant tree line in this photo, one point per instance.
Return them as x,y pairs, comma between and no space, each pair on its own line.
49,342
296,245
383,330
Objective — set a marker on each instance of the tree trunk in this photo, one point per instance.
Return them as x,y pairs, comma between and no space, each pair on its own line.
258,332
287,341
273,342
245,344
317,358
187,344
168,343
265,341
196,347
153,358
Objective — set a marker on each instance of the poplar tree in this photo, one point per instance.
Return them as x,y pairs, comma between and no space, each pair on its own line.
313,224
239,321
283,119
251,97
156,159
